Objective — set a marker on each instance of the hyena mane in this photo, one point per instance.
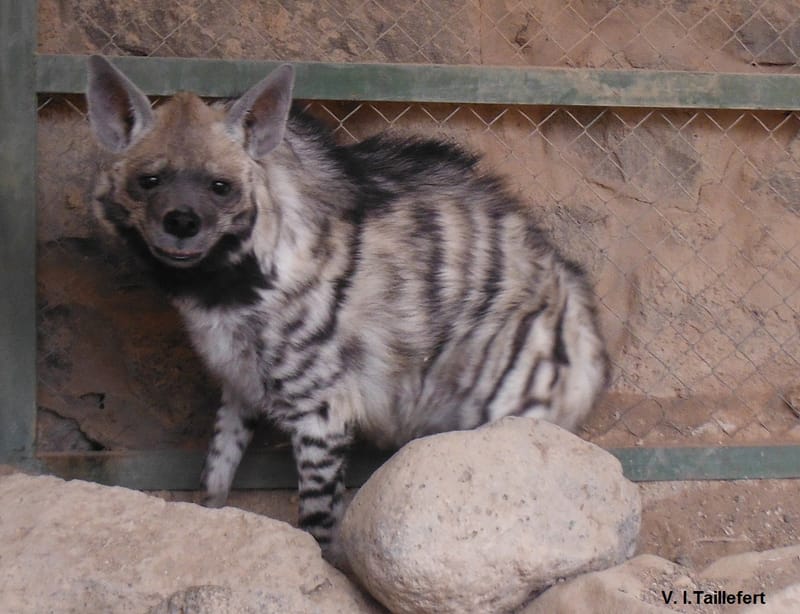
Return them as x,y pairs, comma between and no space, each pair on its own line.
388,288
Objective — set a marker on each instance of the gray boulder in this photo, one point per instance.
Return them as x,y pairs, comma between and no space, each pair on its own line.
477,521
646,584
81,547
649,584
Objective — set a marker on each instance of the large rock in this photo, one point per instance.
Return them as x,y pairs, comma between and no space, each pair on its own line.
786,601
649,584
755,570
476,521
646,584
81,547
776,573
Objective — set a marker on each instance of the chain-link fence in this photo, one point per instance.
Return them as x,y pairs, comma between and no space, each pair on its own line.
688,222
710,35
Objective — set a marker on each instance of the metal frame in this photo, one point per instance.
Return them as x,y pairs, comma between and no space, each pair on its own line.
24,74
66,74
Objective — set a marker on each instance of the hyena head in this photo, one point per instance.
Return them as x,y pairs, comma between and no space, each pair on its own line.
180,182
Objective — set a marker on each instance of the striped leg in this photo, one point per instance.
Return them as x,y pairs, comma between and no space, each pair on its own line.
320,462
232,433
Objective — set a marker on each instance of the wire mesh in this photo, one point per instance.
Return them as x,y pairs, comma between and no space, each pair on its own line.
687,222
715,35
689,226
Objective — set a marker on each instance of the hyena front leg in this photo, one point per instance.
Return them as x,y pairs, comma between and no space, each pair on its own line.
232,432
320,456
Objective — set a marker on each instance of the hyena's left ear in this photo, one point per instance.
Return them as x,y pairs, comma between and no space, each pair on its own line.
118,110
260,114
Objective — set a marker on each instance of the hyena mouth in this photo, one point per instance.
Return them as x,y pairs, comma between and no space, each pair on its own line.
179,257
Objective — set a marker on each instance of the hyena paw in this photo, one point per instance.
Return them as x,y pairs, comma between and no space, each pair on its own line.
214,499
215,487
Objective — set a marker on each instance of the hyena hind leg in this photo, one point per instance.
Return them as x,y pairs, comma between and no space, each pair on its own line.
232,434
321,460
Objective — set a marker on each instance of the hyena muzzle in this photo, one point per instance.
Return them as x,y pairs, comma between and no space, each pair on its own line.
388,288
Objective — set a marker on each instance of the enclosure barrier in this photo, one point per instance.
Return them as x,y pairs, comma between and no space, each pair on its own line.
25,74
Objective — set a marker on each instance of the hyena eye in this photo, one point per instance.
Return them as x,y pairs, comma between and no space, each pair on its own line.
220,187
148,182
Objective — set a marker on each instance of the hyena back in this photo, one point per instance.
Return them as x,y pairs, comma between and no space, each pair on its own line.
388,288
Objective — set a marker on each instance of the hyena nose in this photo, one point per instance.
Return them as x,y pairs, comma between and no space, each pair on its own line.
181,223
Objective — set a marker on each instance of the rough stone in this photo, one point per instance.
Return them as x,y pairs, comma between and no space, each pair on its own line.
774,572
781,566
81,547
202,600
479,520
786,601
649,584
633,587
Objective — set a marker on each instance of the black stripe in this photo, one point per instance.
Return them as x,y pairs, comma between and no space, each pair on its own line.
554,379
494,274
321,411
432,358
314,386
317,519
294,416
351,354
317,478
484,360
532,375
293,326
325,463
300,371
429,226
559,348
429,229
307,441
523,329
321,250
340,288
326,490
469,261
528,404
339,450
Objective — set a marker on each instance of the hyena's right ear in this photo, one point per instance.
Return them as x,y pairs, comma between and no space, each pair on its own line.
259,117
119,112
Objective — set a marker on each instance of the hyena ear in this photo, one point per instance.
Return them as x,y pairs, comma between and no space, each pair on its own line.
119,113
260,114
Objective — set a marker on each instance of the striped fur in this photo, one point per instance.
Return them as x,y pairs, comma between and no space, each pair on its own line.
388,289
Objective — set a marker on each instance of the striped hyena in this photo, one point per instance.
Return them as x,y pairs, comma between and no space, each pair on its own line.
387,288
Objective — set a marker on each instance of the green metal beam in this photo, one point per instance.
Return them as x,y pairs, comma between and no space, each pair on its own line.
17,229
719,463
180,469
440,83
